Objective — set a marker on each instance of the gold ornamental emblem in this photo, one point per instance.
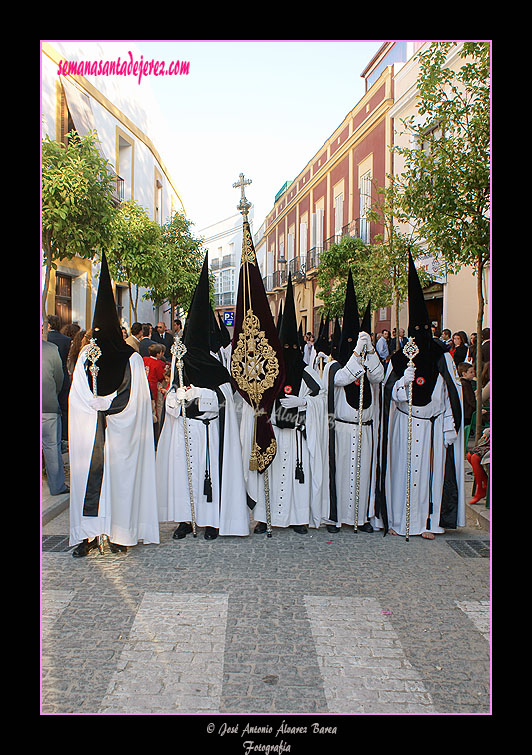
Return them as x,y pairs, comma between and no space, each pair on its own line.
254,364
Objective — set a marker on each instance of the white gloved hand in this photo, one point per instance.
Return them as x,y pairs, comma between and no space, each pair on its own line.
292,402
409,375
449,437
100,404
321,355
178,395
192,393
363,340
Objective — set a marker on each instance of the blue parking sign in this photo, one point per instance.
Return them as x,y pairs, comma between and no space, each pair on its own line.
229,318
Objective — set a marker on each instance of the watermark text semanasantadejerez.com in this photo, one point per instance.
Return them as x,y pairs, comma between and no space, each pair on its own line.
119,67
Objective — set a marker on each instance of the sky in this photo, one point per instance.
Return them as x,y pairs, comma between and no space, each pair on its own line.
262,108
258,107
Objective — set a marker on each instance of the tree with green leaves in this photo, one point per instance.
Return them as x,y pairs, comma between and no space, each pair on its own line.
393,247
135,255
181,260
444,188
77,207
380,273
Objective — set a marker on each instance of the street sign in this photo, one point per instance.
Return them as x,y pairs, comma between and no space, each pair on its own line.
229,318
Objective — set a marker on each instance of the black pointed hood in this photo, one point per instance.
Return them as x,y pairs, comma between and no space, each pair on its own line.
200,367
419,326
301,337
323,343
279,317
335,338
225,336
350,323
215,336
292,357
107,332
365,325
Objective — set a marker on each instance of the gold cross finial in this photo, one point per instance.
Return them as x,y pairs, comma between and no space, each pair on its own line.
243,205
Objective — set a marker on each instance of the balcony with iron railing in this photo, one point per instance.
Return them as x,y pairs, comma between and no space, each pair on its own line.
224,300
117,194
306,264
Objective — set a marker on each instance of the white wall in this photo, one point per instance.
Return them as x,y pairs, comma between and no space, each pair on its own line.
138,105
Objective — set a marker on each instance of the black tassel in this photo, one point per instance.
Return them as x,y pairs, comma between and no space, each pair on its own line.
300,475
207,487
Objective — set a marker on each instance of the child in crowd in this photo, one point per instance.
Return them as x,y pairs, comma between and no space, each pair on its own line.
155,366
467,375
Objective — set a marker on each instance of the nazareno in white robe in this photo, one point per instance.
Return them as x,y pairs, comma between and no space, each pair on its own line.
228,510
346,430
424,476
127,510
291,502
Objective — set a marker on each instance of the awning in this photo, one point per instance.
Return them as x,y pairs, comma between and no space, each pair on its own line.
80,108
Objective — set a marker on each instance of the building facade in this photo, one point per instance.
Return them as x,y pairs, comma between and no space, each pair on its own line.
121,120
452,299
329,199
223,242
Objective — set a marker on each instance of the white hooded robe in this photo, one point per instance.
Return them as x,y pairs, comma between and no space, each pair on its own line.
127,510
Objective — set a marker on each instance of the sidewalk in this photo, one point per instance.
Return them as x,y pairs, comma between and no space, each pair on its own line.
53,505
477,515
294,625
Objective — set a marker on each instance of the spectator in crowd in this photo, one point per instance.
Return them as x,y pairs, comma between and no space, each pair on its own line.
383,346
162,336
70,329
155,365
458,350
73,353
52,382
467,375
309,353
472,349
397,343
63,344
447,339
485,345
145,342
136,334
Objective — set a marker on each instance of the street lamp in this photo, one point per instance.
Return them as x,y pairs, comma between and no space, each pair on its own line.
282,261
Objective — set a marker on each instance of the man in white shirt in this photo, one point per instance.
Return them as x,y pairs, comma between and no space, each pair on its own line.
382,346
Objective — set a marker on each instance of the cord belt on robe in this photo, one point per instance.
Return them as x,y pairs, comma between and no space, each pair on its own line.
93,489
348,422
333,500
192,413
431,467
450,494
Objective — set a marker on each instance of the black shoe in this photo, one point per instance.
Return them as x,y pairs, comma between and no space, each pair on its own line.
300,529
366,528
211,533
260,528
116,548
84,548
182,531
333,528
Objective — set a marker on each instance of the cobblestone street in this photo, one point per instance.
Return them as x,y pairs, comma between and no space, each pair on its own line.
295,624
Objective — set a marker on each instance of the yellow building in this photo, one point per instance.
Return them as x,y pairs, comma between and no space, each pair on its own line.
327,200
331,195
452,300
122,121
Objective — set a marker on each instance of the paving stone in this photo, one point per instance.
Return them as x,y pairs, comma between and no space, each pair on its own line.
256,625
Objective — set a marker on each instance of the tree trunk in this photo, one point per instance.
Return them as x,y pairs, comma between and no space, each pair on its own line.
397,304
133,302
480,318
48,252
